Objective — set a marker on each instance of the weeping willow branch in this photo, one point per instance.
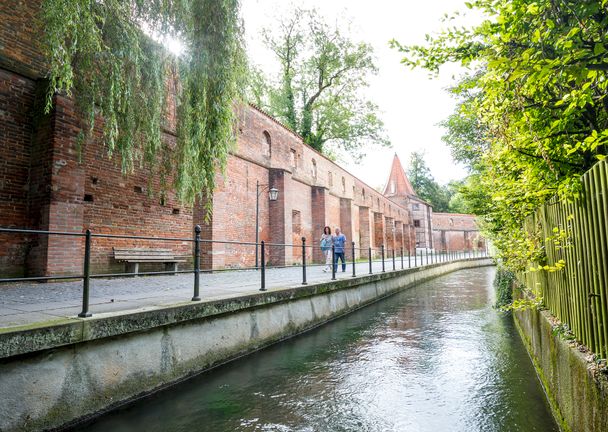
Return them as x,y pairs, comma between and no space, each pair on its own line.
118,76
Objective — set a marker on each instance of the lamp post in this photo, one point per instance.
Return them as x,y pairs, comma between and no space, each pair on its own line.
273,194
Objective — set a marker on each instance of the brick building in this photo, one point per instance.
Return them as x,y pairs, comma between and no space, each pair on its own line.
399,190
456,232
46,185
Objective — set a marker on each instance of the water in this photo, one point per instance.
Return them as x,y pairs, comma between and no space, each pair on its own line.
433,358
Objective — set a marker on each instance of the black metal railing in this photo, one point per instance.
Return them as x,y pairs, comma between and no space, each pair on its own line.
351,256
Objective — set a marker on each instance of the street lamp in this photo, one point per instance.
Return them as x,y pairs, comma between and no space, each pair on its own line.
273,194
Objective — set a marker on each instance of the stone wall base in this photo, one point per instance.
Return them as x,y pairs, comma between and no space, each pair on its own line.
577,393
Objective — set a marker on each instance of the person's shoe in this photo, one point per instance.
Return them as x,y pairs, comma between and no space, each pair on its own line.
324,270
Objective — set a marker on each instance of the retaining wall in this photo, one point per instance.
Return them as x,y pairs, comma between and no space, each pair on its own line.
52,376
577,393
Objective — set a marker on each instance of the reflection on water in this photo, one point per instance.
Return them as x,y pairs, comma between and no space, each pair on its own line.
433,358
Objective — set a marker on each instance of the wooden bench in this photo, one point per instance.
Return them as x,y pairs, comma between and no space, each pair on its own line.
133,257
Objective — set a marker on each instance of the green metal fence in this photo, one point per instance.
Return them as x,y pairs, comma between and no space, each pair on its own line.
574,285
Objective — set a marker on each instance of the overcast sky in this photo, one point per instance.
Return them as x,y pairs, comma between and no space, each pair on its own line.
411,103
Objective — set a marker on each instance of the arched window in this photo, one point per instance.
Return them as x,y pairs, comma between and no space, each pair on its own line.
343,185
392,187
330,179
363,194
266,144
314,169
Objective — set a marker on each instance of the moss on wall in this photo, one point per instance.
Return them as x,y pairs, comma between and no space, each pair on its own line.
576,389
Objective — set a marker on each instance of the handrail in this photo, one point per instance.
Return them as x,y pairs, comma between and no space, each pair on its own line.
349,255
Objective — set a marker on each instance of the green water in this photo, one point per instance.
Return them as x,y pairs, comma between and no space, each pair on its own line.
433,358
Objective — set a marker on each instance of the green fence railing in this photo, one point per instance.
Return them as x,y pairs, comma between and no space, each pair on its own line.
575,234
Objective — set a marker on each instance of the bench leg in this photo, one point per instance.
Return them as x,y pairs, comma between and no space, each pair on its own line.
132,268
171,267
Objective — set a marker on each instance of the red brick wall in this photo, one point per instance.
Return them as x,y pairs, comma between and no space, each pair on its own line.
346,220
318,195
378,232
234,204
456,232
19,49
365,231
16,110
299,200
132,204
53,196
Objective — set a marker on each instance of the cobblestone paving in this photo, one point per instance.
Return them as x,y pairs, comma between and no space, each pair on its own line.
30,302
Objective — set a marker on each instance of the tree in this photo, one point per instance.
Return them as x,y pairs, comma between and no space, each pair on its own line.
425,185
98,53
533,111
318,90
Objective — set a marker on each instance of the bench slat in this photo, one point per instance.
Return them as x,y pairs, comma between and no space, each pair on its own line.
148,255
137,259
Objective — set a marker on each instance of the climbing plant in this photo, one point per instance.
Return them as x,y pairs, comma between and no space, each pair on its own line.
109,57
533,111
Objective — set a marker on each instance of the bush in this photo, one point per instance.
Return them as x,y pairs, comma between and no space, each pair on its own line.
503,284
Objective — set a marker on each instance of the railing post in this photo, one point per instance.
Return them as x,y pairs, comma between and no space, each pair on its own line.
334,264
369,256
197,262
421,262
263,263
354,274
426,256
304,261
382,248
402,258
432,261
409,258
86,277
415,258
394,268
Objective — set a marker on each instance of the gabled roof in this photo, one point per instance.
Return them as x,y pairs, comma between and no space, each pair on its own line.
402,186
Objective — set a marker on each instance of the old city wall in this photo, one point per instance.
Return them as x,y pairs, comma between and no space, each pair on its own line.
456,232
46,184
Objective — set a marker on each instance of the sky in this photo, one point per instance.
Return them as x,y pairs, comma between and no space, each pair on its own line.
411,102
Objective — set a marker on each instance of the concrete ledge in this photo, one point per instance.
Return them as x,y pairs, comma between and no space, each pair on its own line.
58,373
578,396
52,334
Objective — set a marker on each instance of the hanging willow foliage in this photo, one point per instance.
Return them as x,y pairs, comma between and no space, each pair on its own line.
100,54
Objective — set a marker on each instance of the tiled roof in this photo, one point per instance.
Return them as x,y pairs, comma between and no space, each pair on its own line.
402,186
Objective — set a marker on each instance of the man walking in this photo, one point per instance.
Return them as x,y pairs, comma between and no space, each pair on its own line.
339,242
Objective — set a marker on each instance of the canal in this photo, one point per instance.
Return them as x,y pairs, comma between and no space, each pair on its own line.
436,357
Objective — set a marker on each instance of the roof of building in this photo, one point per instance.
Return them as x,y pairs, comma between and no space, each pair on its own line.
398,178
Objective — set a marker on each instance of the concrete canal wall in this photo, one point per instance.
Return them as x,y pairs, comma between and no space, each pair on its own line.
56,374
578,394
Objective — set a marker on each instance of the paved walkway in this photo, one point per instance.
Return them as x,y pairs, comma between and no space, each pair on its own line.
29,303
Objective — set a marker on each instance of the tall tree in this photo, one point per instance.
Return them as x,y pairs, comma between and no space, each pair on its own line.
425,185
539,77
99,53
318,92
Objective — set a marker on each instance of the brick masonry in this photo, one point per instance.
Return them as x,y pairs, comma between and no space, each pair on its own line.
456,232
47,183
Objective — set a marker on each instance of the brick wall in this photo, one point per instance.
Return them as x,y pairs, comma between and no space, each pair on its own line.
44,184
456,232
17,95
19,38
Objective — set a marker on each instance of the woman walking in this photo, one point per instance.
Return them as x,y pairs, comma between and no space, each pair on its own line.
326,242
